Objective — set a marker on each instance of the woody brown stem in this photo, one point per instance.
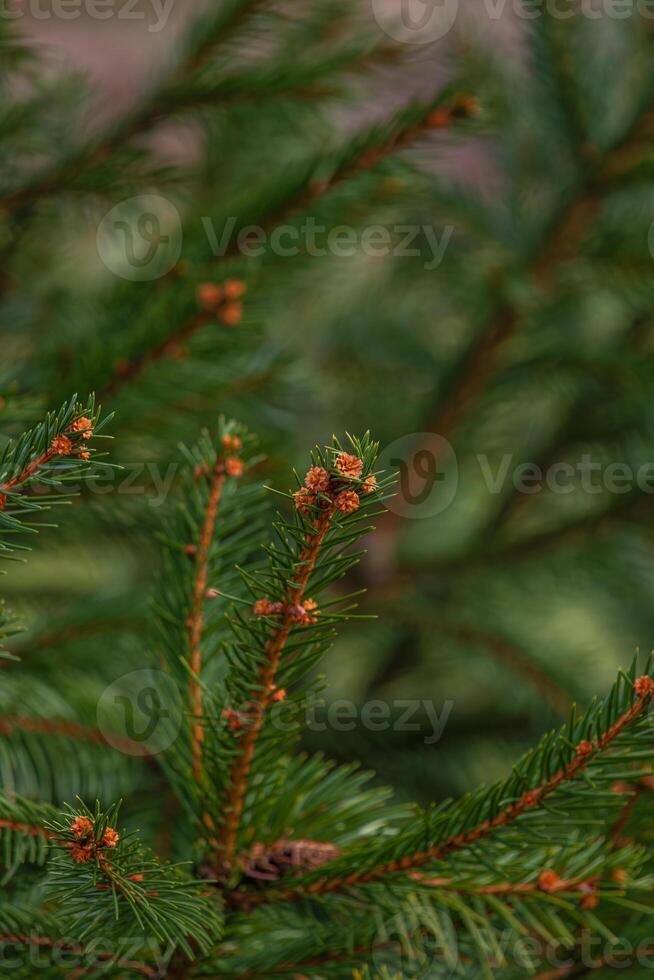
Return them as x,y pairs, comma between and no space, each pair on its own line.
54,450
67,729
196,618
27,829
501,888
528,801
273,651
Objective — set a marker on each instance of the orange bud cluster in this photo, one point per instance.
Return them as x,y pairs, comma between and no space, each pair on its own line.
319,481
264,607
349,466
233,443
111,837
549,881
347,501
81,827
223,299
304,500
61,446
585,748
87,848
233,719
306,612
83,425
590,901
644,686
234,465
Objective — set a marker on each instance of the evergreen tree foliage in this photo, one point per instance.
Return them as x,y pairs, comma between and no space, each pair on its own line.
167,807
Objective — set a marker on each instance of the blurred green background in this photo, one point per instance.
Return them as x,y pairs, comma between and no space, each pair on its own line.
530,341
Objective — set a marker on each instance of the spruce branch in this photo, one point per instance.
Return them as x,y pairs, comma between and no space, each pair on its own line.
67,729
367,152
272,655
580,756
50,455
483,359
310,554
214,523
106,879
196,619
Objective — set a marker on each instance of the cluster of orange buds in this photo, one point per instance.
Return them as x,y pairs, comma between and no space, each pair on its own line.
619,876
304,612
585,748
223,299
644,686
81,427
463,107
277,694
590,898
319,482
234,719
549,881
87,847
61,446
264,607
234,465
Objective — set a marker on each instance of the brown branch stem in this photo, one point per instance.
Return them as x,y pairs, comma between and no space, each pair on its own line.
528,801
196,619
273,651
67,729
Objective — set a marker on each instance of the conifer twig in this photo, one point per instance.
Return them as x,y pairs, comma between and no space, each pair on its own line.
28,829
272,656
530,800
67,729
196,618
435,116
479,365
